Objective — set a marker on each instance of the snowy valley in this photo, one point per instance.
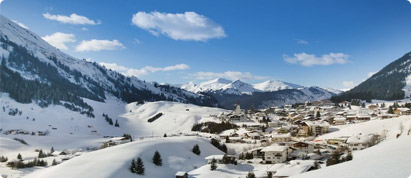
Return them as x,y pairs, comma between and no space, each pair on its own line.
66,117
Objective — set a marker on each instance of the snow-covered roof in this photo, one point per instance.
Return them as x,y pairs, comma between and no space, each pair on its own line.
216,157
291,170
317,123
275,167
340,119
281,135
181,173
275,148
360,139
403,109
227,132
253,134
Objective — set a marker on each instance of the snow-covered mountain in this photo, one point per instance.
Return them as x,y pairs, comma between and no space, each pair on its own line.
238,87
390,83
222,86
261,95
207,86
49,76
275,85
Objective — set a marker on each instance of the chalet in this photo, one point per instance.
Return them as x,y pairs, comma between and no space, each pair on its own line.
303,147
337,141
181,174
385,116
315,127
257,152
402,111
275,154
339,120
363,117
280,138
253,135
351,117
360,142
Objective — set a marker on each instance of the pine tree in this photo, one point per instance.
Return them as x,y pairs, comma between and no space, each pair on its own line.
390,110
165,135
213,165
51,150
157,159
54,162
349,156
133,166
269,175
363,105
224,148
250,175
41,154
318,114
140,167
117,125
196,149
19,157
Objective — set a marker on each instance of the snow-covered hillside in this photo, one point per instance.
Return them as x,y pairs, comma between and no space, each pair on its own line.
390,158
67,129
275,85
35,59
132,118
114,162
175,117
388,127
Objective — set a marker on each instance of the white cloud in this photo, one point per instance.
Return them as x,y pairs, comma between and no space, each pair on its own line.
20,24
409,1
233,75
72,19
59,39
143,71
308,60
1,1
303,42
186,26
370,74
98,45
348,84
84,29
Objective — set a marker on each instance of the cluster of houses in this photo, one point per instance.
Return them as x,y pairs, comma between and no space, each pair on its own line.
286,135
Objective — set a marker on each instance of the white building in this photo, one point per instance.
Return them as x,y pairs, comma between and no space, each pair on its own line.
360,142
275,154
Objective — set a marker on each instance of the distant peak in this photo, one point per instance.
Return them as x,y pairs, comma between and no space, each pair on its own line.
220,80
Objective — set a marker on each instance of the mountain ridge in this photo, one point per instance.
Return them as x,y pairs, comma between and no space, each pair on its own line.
390,83
58,77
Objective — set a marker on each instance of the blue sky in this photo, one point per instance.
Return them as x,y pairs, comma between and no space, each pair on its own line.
324,43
